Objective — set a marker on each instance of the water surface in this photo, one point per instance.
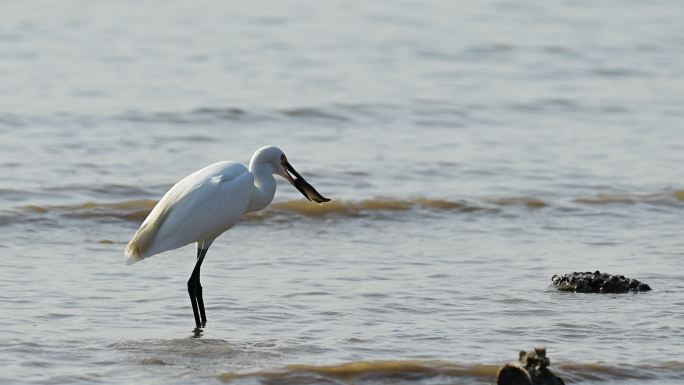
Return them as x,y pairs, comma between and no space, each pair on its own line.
472,150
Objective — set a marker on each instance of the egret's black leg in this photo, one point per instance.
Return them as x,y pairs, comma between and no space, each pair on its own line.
193,299
198,287
195,289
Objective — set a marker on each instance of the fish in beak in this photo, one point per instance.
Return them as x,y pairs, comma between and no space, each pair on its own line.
289,173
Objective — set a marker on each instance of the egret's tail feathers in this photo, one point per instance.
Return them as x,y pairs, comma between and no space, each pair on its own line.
133,252
139,244
143,241
133,259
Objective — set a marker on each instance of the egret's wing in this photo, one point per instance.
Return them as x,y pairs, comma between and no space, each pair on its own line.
202,205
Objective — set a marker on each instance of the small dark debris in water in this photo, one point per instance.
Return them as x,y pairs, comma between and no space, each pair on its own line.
597,282
531,369
152,361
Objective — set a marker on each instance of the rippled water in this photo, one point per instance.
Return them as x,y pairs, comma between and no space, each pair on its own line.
472,149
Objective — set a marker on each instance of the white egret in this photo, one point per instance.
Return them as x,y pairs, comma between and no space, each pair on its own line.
208,202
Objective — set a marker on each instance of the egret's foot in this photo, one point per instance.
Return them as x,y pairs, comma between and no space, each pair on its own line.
197,332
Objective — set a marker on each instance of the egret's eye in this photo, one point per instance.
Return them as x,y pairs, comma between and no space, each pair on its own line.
282,158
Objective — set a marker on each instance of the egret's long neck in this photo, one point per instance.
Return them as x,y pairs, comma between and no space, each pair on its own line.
264,185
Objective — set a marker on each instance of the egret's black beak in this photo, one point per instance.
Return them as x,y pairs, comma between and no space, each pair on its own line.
305,188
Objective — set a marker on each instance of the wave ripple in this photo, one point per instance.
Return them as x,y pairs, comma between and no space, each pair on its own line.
136,210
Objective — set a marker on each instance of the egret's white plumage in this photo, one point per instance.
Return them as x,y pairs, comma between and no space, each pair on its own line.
200,207
207,203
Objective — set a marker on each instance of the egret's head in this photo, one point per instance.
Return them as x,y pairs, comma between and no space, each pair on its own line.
275,157
267,156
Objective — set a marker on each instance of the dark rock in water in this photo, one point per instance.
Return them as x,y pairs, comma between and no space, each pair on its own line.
597,282
537,365
532,369
512,374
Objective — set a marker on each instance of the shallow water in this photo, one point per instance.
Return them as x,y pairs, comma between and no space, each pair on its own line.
472,150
